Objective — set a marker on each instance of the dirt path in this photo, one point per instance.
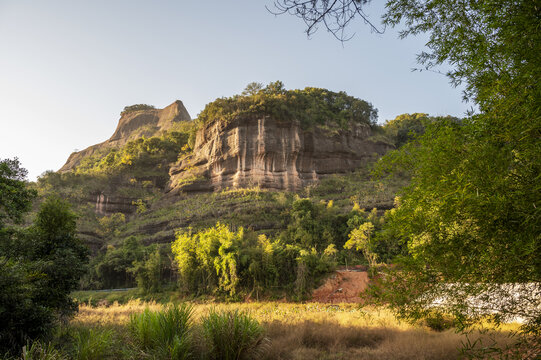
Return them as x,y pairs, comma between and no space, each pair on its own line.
342,287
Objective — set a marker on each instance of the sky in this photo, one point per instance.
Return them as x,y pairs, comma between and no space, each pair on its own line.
68,68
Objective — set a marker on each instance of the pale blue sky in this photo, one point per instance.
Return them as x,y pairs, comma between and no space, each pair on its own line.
67,68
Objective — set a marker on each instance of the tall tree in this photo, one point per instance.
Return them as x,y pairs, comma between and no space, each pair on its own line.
471,215
39,265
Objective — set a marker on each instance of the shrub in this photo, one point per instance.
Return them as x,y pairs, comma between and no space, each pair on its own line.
233,335
38,351
92,344
439,322
136,107
166,333
151,272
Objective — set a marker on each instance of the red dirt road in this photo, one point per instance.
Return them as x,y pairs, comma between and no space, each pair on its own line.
342,287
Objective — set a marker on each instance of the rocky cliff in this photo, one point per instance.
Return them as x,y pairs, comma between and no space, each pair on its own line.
133,125
265,152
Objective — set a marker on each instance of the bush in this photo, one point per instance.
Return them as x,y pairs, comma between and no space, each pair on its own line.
439,322
92,344
233,335
164,333
39,351
136,107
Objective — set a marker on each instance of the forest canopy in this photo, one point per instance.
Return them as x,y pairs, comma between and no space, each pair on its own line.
311,106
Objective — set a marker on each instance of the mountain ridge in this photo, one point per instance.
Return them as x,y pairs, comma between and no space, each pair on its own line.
133,125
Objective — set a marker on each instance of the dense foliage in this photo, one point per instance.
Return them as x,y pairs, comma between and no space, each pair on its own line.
406,127
471,214
223,262
143,158
15,197
39,267
311,106
136,107
131,264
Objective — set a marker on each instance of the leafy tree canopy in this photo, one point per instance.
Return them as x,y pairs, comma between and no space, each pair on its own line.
15,198
39,265
407,126
471,215
311,106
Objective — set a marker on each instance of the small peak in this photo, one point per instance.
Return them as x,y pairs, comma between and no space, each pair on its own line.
178,111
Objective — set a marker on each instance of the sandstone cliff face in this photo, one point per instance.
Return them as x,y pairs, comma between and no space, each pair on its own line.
272,154
131,126
107,205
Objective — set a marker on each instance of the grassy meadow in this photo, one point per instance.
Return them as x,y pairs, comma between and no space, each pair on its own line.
287,331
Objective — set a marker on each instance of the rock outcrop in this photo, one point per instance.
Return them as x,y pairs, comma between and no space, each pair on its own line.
133,125
107,205
265,152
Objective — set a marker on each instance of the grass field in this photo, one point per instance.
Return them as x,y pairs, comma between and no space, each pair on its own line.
300,331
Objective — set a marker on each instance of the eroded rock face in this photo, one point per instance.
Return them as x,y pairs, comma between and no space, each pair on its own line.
272,154
131,126
107,205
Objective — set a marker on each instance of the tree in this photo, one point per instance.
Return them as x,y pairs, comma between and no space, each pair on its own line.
252,89
470,217
15,198
310,106
54,244
405,127
39,265
359,239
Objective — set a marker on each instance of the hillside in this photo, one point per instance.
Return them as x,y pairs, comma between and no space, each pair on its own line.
134,123
242,163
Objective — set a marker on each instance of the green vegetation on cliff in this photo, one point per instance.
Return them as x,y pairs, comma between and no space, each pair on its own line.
136,107
311,106
141,158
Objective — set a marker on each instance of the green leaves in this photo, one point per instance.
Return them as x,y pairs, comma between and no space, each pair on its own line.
15,198
468,214
212,255
40,267
143,157
233,335
311,106
165,334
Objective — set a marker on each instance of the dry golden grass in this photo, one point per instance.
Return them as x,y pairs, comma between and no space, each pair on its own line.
320,331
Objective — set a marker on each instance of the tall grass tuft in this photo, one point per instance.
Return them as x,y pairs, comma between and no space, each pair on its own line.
39,351
164,333
92,343
233,335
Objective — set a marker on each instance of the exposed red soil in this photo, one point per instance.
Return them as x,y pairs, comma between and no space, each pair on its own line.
342,287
